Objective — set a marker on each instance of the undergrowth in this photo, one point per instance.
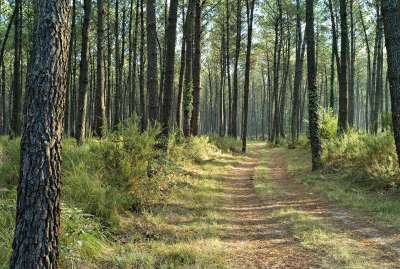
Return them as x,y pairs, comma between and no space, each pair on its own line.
105,182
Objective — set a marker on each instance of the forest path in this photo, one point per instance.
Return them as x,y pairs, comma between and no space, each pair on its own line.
274,222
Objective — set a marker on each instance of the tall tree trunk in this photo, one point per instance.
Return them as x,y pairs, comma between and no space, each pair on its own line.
312,88
118,89
250,16
16,82
181,74
297,76
41,142
235,68
194,124
152,71
342,121
351,113
143,118
83,73
391,21
188,80
169,66
368,82
228,66
100,113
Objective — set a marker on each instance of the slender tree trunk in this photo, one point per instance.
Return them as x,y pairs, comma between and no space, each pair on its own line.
235,68
118,89
152,71
312,88
169,65
100,113
16,82
188,79
181,74
342,122
41,142
368,82
143,119
194,124
250,15
83,73
351,113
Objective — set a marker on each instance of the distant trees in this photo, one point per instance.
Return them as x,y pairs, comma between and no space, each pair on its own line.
38,200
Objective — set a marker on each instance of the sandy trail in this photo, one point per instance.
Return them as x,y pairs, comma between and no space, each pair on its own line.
257,239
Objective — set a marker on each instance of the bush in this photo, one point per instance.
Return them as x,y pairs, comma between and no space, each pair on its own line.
9,161
371,156
328,123
227,143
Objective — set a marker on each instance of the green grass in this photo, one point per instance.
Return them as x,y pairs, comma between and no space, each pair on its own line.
350,187
115,216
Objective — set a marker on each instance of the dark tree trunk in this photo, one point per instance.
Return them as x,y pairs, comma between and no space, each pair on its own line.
16,82
342,121
235,69
228,67
250,15
38,223
152,71
143,116
312,88
169,66
298,76
351,113
118,86
188,80
181,74
194,124
100,115
391,21
368,82
83,73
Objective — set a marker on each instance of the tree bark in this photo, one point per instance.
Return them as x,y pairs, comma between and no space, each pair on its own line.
313,104
169,66
235,68
16,86
152,71
195,120
250,16
83,73
100,115
391,21
342,121
38,223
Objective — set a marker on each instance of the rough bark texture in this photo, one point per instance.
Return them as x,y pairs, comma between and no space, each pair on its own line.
100,112
391,21
143,119
152,71
194,124
169,66
313,104
188,80
38,204
250,13
297,77
235,68
342,121
16,82
83,73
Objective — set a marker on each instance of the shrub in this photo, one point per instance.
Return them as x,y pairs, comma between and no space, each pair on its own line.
227,143
327,123
373,156
9,161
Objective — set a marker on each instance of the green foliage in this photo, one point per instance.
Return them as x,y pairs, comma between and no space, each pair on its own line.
7,220
328,123
368,155
9,161
227,143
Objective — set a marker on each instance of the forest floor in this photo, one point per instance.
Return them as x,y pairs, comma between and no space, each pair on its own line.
272,220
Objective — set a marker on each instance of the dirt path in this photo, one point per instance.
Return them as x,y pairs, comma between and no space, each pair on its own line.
258,238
